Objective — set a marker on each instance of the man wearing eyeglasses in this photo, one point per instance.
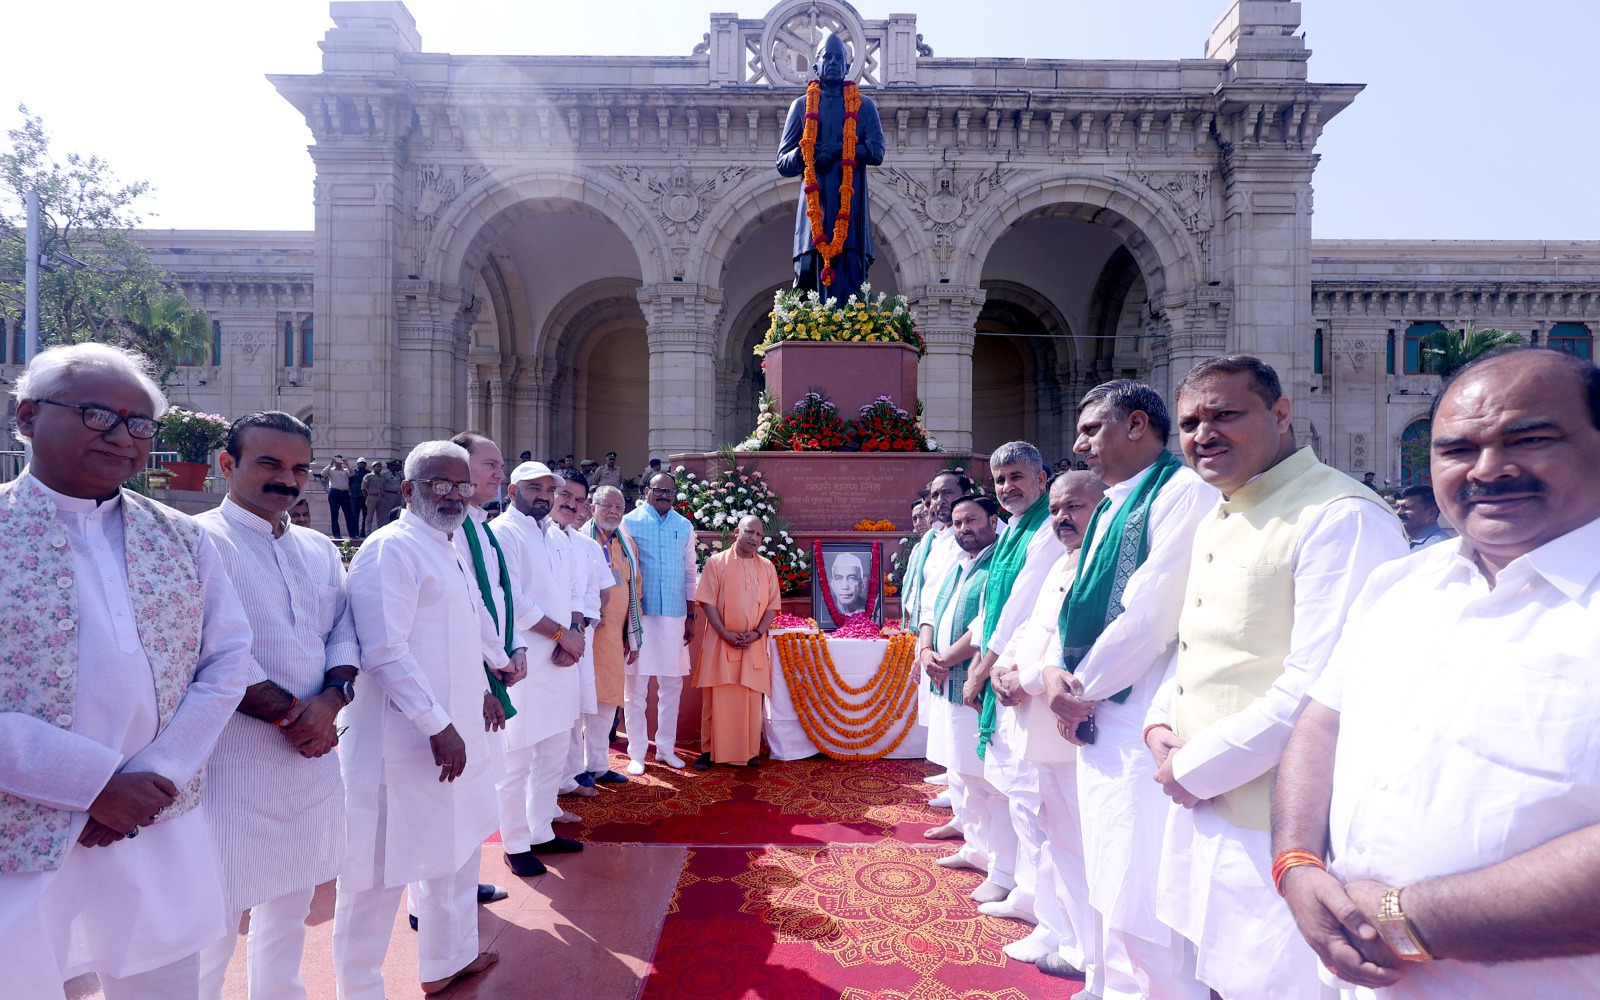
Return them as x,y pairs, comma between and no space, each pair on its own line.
666,551
419,777
124,653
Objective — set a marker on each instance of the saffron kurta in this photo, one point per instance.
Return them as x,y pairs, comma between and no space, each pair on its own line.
743,591
611,643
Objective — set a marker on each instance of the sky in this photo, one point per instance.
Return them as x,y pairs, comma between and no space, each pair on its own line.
1474,123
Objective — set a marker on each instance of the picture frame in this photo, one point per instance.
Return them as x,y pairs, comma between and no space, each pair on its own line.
842,574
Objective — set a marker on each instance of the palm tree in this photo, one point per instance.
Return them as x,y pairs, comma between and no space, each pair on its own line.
1445,352
167,328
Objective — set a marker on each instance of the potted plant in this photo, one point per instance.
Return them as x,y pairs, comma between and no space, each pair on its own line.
194,436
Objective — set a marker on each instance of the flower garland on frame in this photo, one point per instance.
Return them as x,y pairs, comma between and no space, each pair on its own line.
827,587
847,190
828,720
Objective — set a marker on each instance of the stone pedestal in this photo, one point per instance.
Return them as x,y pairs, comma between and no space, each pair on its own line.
851,375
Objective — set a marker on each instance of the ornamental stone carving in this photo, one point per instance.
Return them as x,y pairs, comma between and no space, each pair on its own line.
793,31
678,203
1189,194
944,206
437,187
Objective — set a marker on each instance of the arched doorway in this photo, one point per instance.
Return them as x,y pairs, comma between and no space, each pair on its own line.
1415,443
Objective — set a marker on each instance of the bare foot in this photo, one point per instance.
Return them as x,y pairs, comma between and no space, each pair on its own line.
477,965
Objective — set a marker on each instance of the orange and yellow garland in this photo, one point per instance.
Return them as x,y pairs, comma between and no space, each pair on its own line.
847,189
835,724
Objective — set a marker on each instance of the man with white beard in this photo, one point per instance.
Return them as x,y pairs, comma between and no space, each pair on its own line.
541,565
418,781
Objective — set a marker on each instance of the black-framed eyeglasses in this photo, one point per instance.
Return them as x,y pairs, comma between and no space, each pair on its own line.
104,421
661,491
445,487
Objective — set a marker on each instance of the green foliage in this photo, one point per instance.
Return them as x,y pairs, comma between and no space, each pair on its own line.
193,435
97,283
1445,352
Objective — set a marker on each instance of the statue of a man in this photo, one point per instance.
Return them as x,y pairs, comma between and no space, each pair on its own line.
816,266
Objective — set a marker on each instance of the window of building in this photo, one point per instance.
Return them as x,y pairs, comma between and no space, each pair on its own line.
1415,334
288,343
1316,353
216,342
4,342
1416,442
307,354
1388,355
1573,338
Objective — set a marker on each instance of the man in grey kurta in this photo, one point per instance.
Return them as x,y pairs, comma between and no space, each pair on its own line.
276,801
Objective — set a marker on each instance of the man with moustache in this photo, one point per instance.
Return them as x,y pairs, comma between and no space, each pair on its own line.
1273,572
1065,922
1008,787
300,513
949,650
1118,628
542,571
619,633
738,590
419,784
666,549
1447,762
124,654
1418,511
276,803
590,574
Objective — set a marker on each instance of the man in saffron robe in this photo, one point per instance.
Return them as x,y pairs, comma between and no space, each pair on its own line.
739,591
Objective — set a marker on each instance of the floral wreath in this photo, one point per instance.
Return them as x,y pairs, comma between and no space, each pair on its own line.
847,190
821,574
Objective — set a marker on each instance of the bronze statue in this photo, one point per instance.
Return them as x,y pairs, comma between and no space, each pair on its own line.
829,258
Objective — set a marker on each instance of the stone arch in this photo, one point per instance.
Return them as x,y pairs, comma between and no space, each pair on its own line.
485,211
595,397
508,300
1032,326
1145,223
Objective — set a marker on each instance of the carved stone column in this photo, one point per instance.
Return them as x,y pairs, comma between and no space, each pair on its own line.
946,317
681,326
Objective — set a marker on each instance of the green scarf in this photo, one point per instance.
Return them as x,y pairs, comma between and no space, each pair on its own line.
635,614
1095,600
497,687
910,593
1010,554
975,575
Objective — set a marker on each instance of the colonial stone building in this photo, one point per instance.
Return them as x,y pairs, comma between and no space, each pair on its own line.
578,253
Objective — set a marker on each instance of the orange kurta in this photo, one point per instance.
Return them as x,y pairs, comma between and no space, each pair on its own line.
742,591
610,642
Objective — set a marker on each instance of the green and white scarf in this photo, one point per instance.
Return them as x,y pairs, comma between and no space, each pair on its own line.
1095,599
635,627
970,591
1010,555
497,687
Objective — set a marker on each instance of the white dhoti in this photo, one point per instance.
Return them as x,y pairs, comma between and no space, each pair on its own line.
1123,813
1215,889
979,809
447,930
664,657
528,793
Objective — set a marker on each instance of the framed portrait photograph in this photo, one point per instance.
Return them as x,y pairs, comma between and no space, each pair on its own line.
846,579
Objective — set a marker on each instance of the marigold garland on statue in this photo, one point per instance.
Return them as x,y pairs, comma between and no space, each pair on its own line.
829,249
835,725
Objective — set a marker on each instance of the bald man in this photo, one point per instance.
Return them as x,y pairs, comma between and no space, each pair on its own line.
739,591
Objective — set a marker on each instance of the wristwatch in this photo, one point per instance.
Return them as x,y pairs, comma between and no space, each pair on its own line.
1397,930
346,689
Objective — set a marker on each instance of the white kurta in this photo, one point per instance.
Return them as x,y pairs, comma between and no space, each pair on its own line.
589,562
1123,811
145,902
495,655
1215,886
1036,647
1467,735
278,817
953,728
423,635
542,567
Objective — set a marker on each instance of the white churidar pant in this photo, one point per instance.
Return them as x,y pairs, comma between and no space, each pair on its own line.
669,690
1065,904
273,949
587,748
447,930
528,791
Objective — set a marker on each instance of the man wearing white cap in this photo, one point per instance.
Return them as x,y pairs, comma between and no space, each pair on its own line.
666,553
541,565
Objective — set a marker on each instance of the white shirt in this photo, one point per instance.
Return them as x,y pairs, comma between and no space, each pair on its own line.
1467,733
423,630
1044,548
1340,547
545,570
943,552
1036,645
494,653
1140,640
278,817
589,563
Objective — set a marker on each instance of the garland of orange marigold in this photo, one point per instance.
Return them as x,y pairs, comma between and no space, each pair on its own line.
833,724
829,249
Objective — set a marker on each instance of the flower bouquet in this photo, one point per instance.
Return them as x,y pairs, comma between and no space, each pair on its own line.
863,319
192,434
813,425
883,426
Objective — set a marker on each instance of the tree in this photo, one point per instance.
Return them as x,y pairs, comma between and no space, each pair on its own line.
1445,352
96,282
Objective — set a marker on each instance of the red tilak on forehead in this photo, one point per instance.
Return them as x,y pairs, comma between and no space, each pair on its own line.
122,413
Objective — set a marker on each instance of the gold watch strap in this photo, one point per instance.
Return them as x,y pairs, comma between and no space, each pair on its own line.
1397,928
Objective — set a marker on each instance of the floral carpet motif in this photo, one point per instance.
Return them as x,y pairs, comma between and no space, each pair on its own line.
660,794
885,793
932,989
879,904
